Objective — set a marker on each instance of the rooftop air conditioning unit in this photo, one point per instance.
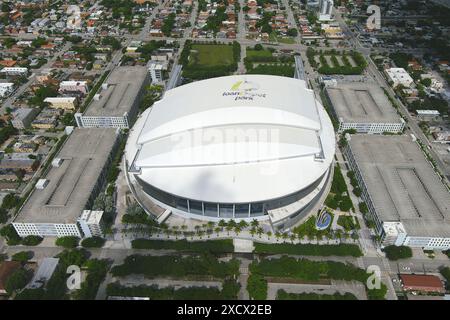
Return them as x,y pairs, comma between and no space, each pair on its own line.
41,184
56,162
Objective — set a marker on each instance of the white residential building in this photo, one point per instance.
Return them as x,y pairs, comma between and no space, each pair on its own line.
428,115
73,86
90,223
65,103
435,85
156,71
325,8
22,117
6,88
24,43
399,76
14,71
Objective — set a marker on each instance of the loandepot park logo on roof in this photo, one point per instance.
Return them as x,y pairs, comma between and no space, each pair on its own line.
244,90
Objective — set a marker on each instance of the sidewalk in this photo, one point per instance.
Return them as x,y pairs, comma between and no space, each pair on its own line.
365,240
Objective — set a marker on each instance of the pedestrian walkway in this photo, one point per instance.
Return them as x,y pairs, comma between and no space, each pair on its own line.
243,278
243,246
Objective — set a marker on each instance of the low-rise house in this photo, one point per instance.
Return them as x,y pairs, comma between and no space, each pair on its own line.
428,115
14,71
65,103
47,119
97,64
24,147
8,63
22,117
422,283
79,87
399,76
18,161
442,136
435,85
6,88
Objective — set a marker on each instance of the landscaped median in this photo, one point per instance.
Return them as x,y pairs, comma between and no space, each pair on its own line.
200,267
226,246
283,295
230,289
309,249
205,267
213,246
288,269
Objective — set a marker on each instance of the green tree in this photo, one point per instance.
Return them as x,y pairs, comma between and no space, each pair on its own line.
426,82
10,234
3,215
67,242
257,287
32,240
398,252
93,242
18,280
22,256
363,208
258,47
10,201
292,32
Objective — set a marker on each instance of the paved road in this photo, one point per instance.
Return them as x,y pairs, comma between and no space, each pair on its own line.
241,65
241,21
291,19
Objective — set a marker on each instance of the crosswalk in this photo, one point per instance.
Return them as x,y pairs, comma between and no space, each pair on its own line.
243,270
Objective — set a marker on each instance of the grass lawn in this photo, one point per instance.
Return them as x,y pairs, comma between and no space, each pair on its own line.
349,223
211,55
258,53
273,37
286,40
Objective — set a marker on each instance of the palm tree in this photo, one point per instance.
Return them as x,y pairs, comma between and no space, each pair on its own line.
229,228
183,227
292,237
254,223
232,223
252,231
218,230
243,224
222,223
277,235
259,231
269,234
211,224
237,230
284,235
